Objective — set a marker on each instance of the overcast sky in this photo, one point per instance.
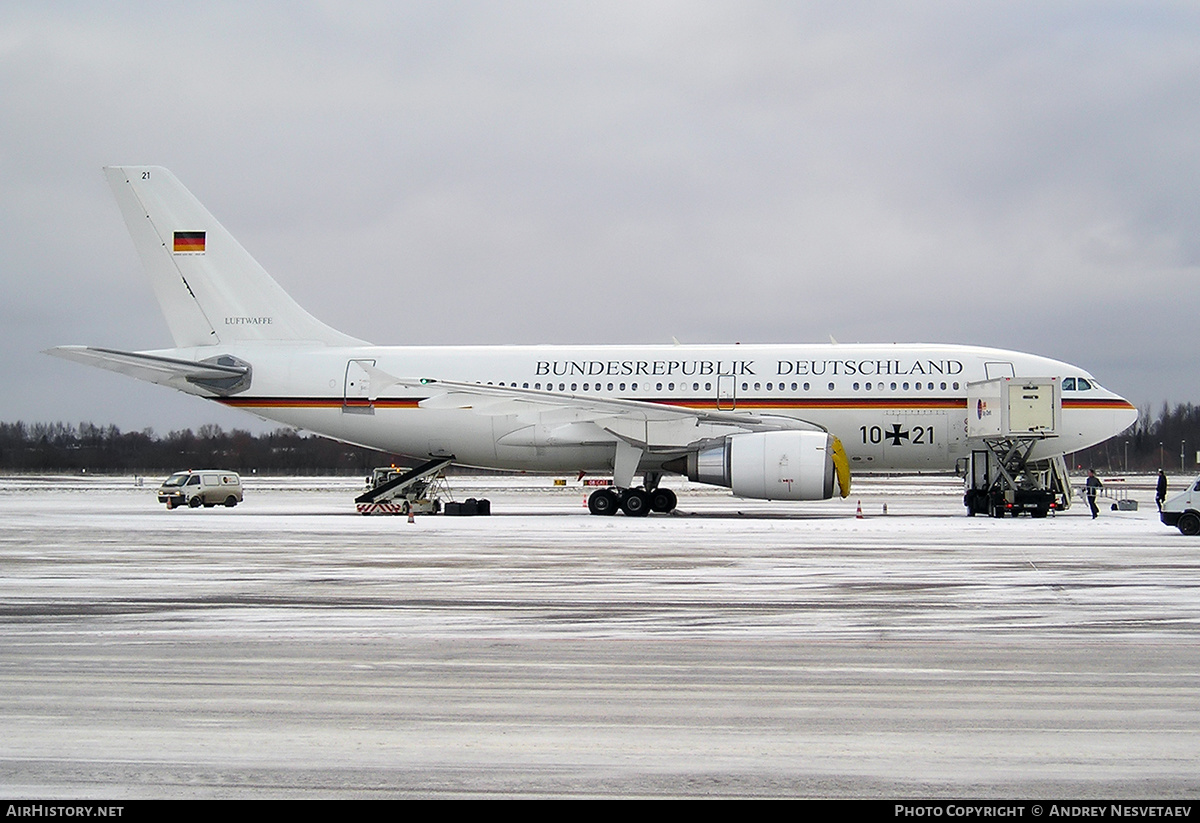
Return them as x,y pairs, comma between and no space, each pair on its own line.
1014,174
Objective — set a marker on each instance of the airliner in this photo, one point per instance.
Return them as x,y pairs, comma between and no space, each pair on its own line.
772,422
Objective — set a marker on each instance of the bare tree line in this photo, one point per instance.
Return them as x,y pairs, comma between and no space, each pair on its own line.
1168,441
62,447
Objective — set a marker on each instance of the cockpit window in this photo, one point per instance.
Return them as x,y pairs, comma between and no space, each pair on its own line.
1068,384
1084,385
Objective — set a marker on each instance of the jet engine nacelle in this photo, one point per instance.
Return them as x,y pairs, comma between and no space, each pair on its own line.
779,465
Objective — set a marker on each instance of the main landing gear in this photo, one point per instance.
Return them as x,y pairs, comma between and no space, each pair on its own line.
634,502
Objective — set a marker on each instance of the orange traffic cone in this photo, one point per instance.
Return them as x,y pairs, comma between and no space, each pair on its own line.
859,515
411,519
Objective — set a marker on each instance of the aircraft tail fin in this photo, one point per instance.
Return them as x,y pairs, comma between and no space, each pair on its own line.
211,290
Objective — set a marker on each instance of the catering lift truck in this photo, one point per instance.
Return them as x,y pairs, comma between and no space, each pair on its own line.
1006,419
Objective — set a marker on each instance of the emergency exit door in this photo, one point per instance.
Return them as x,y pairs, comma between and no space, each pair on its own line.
726,392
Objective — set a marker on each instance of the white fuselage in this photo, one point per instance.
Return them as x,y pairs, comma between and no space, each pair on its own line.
893,406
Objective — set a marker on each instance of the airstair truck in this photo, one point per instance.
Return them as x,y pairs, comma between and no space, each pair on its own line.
1006,419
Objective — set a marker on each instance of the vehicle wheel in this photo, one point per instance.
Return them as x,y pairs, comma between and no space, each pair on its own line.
195,502
603,501
663,500
1040,511
635,502
230,501
1189,524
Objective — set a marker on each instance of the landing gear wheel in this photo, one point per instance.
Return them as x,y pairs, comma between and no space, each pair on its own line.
663,500
1189,524
635,502
603,501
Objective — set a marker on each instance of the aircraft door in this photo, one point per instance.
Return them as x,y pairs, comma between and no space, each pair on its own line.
928,437
904,439
726,392
356,397
994,370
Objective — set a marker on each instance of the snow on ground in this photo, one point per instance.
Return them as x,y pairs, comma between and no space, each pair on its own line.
720,566
290,645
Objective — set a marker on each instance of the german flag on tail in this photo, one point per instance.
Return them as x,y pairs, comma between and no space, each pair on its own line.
189,242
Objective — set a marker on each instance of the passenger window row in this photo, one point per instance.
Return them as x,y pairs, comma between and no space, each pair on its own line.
758,387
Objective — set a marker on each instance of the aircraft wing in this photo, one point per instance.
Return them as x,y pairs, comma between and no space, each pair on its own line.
652,426
637,426
155,368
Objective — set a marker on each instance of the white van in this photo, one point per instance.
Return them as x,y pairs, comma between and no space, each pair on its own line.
1182,510
201,487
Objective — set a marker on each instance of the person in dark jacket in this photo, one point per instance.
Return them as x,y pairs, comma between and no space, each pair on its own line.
1160,493
1093,486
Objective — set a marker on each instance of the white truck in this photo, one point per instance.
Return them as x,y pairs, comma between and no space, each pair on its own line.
201,487
1182,510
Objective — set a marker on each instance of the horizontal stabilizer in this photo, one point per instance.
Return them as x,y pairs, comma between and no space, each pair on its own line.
221,378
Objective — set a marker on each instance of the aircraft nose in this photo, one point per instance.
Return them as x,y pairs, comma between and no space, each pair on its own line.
1124,416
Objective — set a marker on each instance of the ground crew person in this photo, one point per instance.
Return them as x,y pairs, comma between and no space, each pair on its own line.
1092,488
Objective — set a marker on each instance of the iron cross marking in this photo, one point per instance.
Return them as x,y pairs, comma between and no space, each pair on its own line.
896,435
